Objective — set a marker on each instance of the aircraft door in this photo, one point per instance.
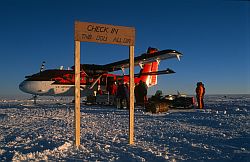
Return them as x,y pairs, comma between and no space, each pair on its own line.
103,81
110,79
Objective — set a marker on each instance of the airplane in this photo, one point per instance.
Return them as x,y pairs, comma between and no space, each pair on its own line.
61,82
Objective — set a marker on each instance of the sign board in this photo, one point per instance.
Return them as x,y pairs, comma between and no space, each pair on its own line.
103,33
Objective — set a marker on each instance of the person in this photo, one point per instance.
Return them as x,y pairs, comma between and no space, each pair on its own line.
99,90
141,93
200,92
122,94
112,88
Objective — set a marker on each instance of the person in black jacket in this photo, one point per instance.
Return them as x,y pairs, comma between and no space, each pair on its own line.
122,94
141,93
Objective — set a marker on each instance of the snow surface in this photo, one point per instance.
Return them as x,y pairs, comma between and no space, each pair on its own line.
45,132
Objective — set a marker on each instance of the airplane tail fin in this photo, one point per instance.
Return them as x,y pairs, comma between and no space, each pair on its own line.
150,80
42,67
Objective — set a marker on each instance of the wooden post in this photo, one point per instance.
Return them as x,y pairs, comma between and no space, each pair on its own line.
77,94
131,95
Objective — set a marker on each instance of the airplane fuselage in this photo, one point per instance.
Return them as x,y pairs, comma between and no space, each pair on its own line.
61,83
47,88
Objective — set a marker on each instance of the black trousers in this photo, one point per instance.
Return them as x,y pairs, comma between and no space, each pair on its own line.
121,102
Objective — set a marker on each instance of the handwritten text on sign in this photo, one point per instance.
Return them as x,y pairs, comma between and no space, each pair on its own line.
103,33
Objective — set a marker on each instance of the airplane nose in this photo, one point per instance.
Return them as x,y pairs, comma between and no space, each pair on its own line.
33,87
23,86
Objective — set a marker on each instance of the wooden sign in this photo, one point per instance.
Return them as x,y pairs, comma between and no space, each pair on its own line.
103,33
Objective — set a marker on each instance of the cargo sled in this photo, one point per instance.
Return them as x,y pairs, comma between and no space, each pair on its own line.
158,103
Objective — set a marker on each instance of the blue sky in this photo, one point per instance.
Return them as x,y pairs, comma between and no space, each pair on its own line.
214,37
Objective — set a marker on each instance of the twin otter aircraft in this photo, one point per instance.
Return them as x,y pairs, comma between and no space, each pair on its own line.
59,82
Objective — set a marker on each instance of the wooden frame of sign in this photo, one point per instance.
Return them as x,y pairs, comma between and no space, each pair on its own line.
109,34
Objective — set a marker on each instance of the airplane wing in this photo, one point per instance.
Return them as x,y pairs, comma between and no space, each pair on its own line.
167,71
142,59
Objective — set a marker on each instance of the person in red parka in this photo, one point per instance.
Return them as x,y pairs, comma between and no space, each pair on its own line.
200,92
112,88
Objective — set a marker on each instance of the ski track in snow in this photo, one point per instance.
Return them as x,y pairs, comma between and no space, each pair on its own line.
45,132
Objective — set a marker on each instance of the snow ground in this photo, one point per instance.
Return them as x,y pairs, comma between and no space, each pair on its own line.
45,132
